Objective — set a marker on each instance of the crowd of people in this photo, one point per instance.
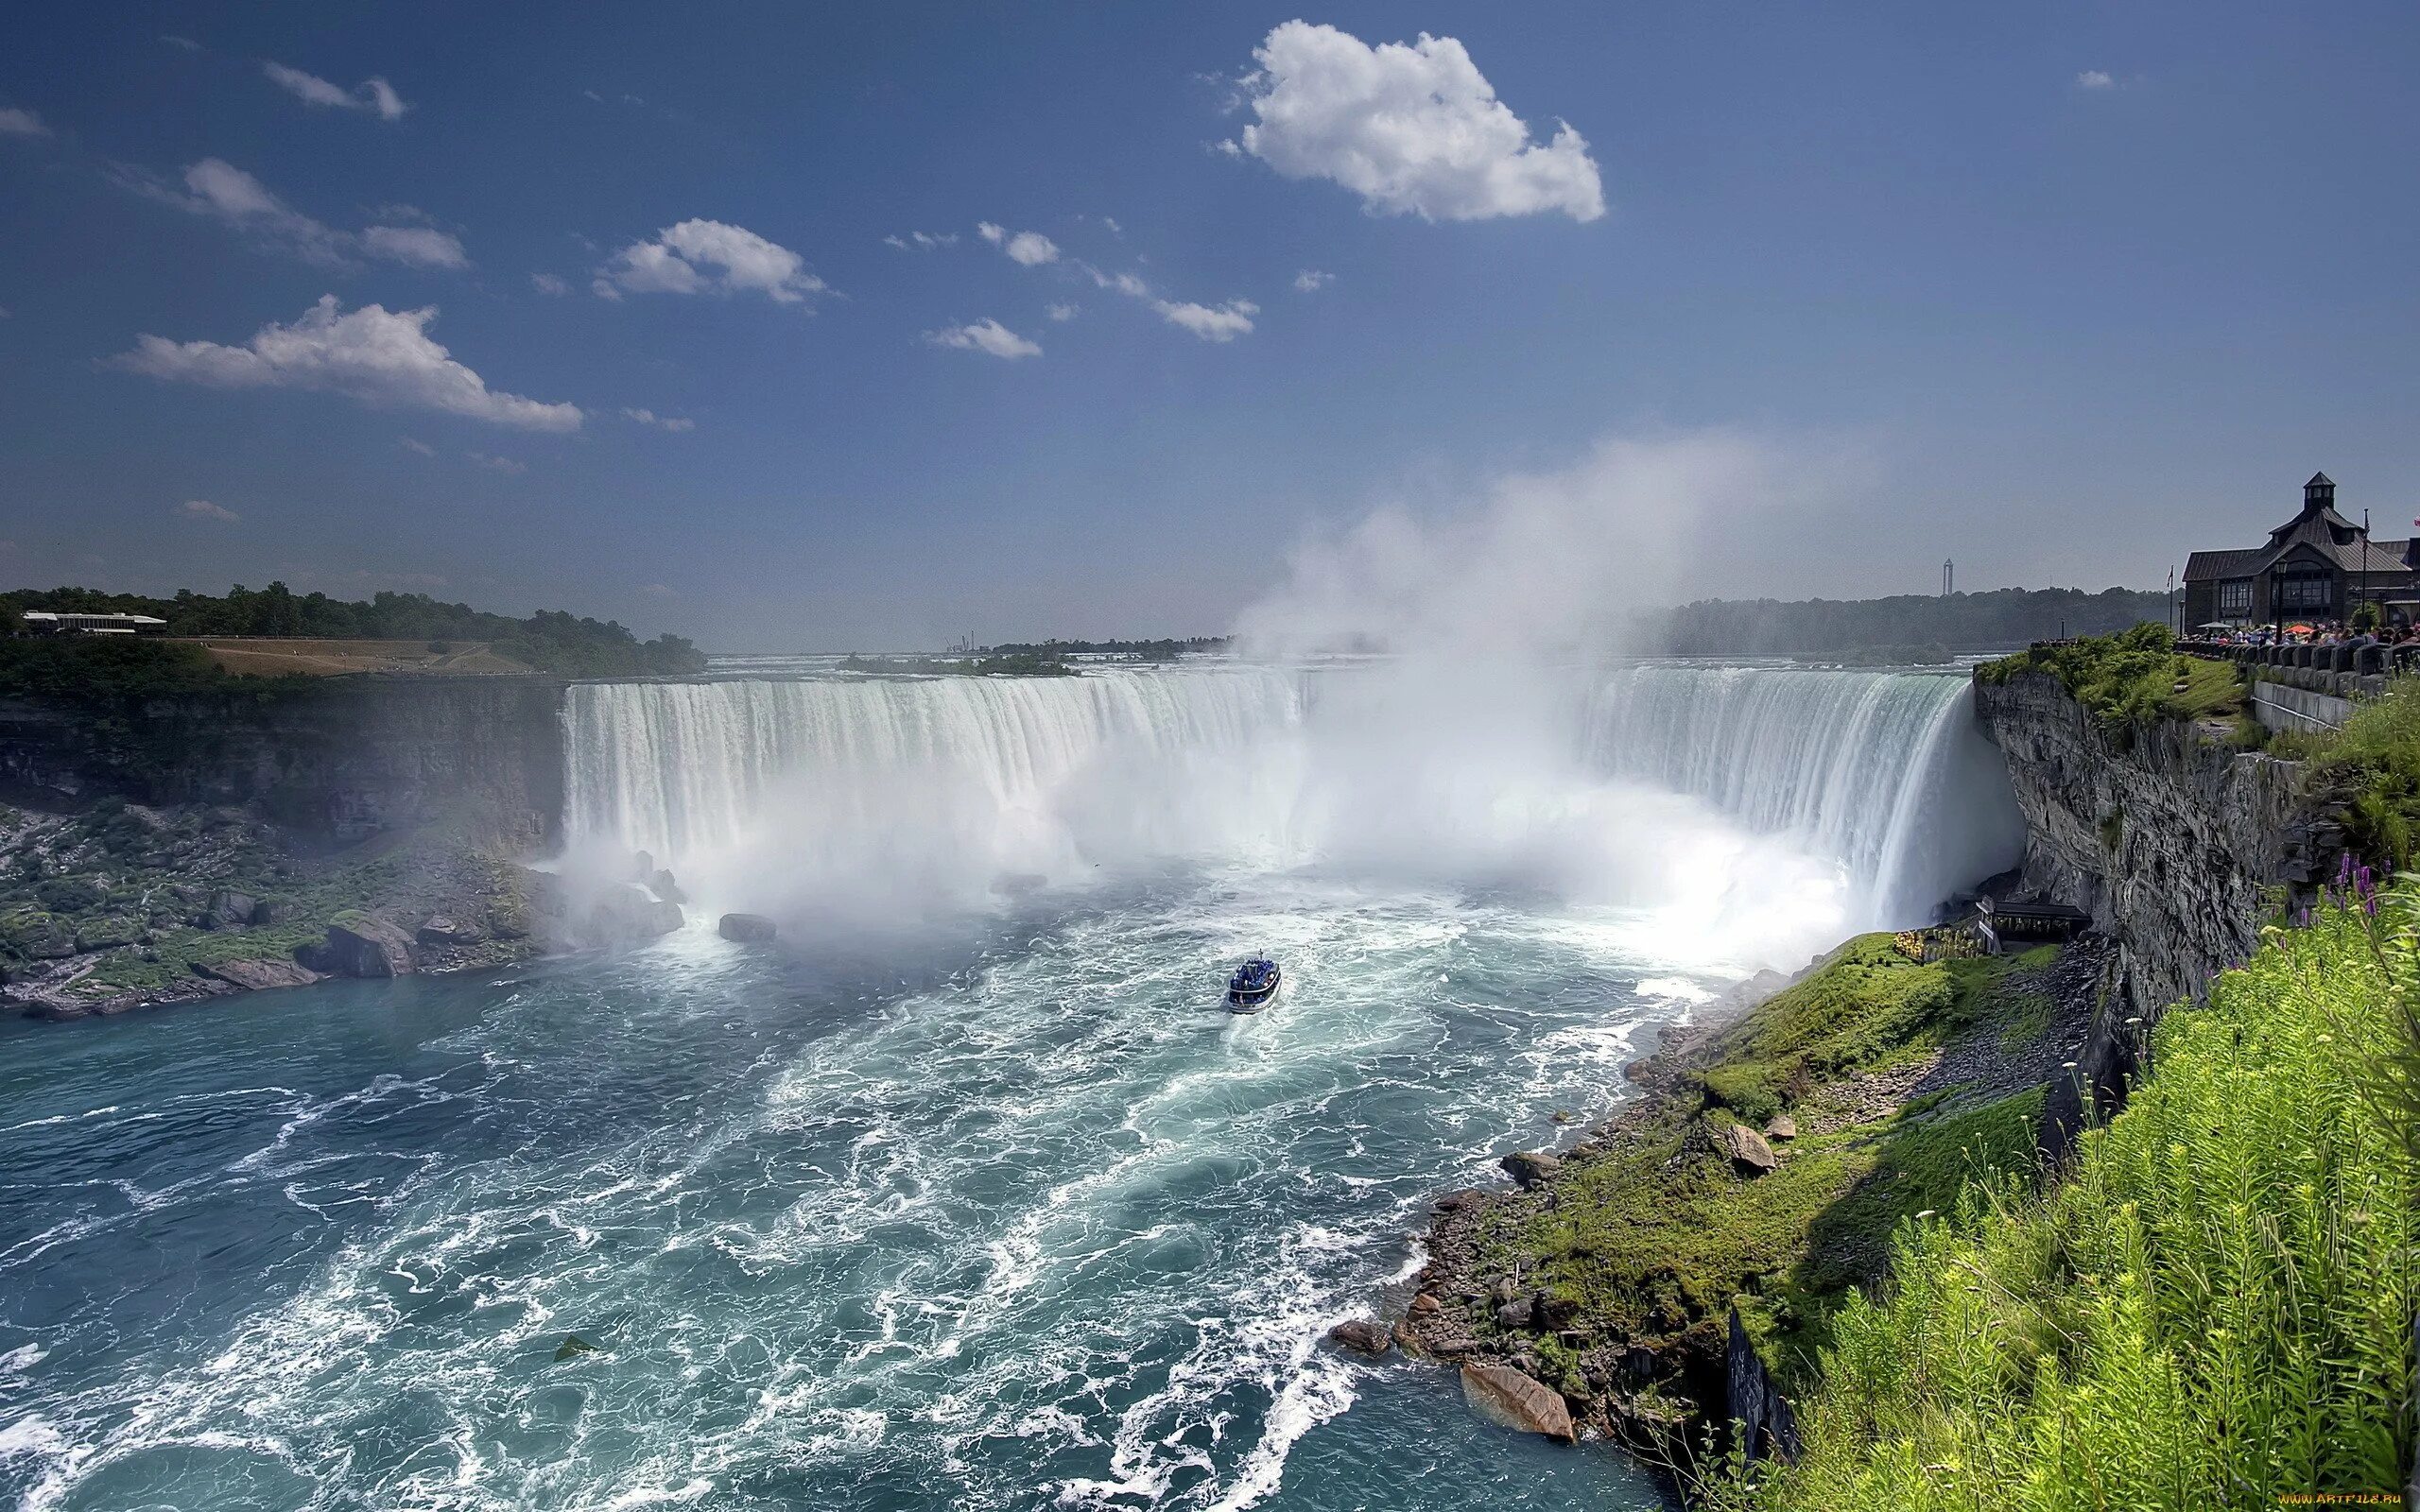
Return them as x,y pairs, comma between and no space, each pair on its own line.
2312,632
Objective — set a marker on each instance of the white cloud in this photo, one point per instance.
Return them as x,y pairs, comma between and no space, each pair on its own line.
1032,249
658,591
1059,312
708,257
548,283
1028,247
985,335
2095,78
219,189
409,444
420,246
1223,323
204,510
666,422
381,357
1311,281
184,44
921,240
14,122
1126,283
1413,128
375,96
499,464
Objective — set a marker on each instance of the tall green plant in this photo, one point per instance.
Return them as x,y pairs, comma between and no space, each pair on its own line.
2214,1312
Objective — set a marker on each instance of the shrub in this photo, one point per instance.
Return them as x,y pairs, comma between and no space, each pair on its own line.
2214,1312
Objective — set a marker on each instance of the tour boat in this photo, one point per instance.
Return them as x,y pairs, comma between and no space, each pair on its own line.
1251,986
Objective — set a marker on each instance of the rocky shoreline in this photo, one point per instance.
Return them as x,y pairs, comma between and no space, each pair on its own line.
1562,1339
118,906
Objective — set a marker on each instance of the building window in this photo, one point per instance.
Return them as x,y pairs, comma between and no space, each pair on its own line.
2308,592
2235,599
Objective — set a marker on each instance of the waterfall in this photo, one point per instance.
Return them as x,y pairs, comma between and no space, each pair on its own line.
896,790
1884,771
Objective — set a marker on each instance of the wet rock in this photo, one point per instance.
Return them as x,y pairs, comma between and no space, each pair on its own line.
254,976
367,946
1747,1149
1509,1399
1424,1304
1531,1168
1457,1201
442,930
1781,1126
665,887
626,915
749,929
573,1343
1362,1336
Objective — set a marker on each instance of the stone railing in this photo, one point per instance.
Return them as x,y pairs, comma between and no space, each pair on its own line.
2341,671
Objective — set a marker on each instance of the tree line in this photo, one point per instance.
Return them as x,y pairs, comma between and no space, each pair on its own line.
2001,619
551,640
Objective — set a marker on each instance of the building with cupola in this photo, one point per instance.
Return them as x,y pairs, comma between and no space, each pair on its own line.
2316,566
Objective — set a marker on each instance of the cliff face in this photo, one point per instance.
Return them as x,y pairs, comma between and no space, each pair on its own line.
2177,843
483,756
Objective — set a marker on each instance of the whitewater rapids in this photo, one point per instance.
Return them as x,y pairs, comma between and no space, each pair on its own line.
964,1198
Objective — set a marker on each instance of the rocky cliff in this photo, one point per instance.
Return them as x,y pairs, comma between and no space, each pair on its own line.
2179,843
343,760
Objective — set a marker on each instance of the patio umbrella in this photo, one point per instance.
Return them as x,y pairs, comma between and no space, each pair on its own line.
2297,629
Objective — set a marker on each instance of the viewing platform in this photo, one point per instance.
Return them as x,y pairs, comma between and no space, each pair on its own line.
2311,686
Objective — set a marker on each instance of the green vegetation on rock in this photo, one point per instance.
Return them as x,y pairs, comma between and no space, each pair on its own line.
1652,1238
2215,1309
2131,679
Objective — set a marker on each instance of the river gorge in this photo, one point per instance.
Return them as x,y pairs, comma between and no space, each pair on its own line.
968,1192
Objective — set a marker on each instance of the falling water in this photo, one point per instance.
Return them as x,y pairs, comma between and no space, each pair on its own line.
942,784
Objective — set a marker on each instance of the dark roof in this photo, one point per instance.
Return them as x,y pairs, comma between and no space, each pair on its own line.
2203,566
2381,558
2322,479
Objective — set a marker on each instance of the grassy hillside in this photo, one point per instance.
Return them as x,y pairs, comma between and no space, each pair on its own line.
2215,1311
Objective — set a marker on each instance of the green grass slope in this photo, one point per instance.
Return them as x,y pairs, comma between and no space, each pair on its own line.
2215,1311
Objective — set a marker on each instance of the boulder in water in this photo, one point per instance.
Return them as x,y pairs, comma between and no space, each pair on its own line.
1508,1399
366,945
625,914
662,884
1362,1336
573,1345
749,929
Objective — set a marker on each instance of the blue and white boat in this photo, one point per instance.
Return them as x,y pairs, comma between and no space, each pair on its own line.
1251,986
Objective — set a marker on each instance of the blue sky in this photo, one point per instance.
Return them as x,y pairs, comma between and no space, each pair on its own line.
2079,287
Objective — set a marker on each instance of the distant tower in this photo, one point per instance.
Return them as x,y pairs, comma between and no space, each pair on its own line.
1948,577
